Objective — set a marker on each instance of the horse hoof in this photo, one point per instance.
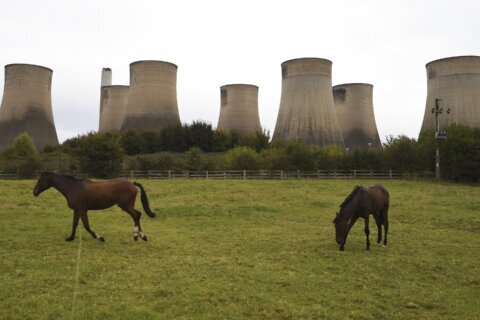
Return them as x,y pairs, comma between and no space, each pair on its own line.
69,239
144,238
101,239
384,246
135,238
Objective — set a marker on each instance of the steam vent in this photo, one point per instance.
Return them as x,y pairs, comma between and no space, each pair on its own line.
27,105
455,80
354,106
152,98
239,109
307,112
112,109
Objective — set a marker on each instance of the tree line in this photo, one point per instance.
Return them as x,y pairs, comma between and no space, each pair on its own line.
198,147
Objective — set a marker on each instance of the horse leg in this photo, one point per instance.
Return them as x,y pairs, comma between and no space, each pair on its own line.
84,217
367,231
378,222
76,216
384,216
137,229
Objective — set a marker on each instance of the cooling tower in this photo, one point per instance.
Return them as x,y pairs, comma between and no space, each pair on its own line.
354,107
455,80
239,109
27,105
307,112
152,98
114,104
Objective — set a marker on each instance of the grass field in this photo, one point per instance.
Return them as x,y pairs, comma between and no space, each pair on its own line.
242,250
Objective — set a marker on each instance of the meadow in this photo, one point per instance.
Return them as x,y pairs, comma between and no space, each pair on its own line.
242,250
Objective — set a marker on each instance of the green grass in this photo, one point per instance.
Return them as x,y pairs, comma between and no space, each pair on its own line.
242,250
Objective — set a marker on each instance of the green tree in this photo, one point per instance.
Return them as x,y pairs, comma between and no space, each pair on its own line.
22,157
99,155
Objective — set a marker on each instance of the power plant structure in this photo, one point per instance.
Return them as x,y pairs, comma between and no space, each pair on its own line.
239,109
354,107
456,82
27,105
114,101
152,97
307,111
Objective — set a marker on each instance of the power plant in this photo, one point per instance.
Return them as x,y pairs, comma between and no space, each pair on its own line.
152,97
27,105
456,81
112,110
307,111
239,109
354,106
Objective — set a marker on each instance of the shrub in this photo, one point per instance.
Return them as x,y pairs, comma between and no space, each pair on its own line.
242,158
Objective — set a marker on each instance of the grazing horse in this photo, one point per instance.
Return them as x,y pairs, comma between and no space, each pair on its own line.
83,195
360,203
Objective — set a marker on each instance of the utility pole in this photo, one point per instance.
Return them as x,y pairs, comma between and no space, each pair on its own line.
438,109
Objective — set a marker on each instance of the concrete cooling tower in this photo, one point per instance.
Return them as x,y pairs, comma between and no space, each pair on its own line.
307,112
114,104
152,98
239,109
455,80
27,105
354,106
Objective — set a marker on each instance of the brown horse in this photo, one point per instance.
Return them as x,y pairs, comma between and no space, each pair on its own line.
83,195
360,203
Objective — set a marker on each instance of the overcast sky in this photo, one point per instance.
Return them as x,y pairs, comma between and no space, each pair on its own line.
214,42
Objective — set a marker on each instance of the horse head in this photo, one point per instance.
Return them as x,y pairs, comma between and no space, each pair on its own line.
341,228
43,183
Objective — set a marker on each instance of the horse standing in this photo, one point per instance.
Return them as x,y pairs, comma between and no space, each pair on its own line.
83,195
360,203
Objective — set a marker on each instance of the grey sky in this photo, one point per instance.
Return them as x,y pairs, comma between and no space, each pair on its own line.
214,42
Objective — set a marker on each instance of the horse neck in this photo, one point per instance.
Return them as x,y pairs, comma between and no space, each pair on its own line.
63,184
351,207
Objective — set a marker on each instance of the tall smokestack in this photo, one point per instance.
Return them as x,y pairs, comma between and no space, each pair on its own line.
114,104
105,81
307,112
354,106
455,80
27,105
239,109
152,98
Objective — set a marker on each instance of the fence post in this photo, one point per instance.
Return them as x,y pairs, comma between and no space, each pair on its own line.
298,174
169,174
224,174
281,174
244,175
318,174
371,173
354,174
206,174
390,171
131,175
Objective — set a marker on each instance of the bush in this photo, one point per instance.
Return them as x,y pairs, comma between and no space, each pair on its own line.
242,158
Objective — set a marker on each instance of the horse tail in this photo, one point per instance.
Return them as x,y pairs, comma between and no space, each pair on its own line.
145,203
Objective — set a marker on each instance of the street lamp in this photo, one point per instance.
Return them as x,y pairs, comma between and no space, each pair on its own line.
438,109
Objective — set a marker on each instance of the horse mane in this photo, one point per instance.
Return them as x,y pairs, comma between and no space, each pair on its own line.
352,195
61,175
